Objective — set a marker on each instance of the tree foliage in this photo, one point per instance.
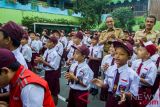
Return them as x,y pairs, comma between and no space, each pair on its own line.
124,17
23,2
91,10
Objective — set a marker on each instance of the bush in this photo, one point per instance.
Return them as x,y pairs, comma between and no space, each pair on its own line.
124,18
28,21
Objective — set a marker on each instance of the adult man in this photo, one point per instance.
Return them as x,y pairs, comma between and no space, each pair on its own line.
26,88
110,34
147,34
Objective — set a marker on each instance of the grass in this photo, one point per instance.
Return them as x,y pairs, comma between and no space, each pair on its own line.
16,15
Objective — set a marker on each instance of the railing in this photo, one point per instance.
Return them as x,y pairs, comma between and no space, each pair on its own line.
37,8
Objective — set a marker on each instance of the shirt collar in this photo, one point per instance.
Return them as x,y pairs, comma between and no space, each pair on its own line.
82,64
94,46
49,50
122,68
25,45
150,32
147,61
112,29
16,51
154,57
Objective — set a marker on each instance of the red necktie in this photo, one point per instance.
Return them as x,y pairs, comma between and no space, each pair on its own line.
112,63
92,52
139,68
75,72
116,81
157,62
74,51
21,49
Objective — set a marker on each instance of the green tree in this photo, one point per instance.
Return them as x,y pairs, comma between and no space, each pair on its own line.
124,17
91,10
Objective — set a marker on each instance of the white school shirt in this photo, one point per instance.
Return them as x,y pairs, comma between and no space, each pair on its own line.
70,43
70,53
18,55
86,40
64,41
148,70
134,57
35,45
40,44
26,52
128,78
53,59
107,60
84,73
29,96
59,48
154,57
29,40
44,39
155,102
96,51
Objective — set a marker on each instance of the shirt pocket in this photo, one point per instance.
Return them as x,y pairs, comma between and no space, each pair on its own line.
95,53
123,85
49,59
110,81
80,75
144,73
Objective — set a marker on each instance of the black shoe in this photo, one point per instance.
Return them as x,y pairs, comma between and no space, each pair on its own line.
91,90
67,99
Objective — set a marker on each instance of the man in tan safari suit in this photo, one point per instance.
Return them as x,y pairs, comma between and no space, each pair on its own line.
147,34
110,34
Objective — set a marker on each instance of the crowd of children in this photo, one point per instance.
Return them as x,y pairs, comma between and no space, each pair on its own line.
124,67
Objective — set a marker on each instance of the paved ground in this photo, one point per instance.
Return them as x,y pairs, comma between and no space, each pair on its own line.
94,101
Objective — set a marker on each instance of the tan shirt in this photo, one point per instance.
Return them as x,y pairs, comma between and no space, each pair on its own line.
142,35
118,33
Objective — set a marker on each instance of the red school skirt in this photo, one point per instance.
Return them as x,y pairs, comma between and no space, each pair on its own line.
94,65
74,100
144,97
156,84
52,77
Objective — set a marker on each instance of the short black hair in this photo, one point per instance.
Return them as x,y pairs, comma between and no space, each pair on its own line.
152,16
14,66
109,17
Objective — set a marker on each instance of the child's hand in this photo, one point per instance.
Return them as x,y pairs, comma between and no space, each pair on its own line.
105,67
123,98
98,82
90,57
66,75
38,60
70,76
68,62
3,104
